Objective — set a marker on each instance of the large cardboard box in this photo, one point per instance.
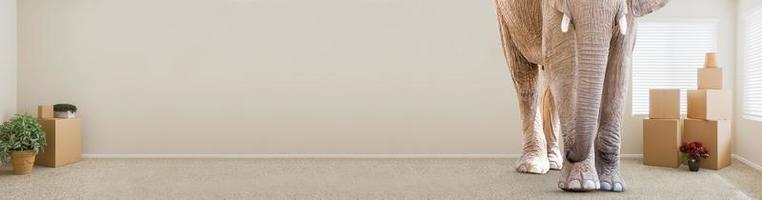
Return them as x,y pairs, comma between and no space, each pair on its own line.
710,104
64,142
664,104
710,78
661,142
716,137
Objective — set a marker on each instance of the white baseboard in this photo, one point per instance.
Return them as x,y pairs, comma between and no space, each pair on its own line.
365,156
747,162
301,155
316,155
631,155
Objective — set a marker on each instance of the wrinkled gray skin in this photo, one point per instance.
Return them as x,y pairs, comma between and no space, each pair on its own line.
585,66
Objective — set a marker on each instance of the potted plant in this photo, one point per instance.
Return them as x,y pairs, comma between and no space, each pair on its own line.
693,153
65,111
21,138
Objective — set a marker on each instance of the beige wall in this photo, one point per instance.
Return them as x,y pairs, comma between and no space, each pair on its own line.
7,58
266,76
748,134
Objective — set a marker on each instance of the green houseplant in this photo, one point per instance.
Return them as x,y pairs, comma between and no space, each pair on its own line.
65,111
21,138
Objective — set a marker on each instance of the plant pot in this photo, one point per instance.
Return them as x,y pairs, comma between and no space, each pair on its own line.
23,161
64,115
694,164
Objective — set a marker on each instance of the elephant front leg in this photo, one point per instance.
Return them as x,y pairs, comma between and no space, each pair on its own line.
609,139
526,77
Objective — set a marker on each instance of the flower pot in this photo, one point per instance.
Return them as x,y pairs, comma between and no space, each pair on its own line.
64,115
693,165
23,161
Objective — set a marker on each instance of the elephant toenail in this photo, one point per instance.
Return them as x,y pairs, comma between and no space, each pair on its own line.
561,185
574,184
618,187
588,184
605,186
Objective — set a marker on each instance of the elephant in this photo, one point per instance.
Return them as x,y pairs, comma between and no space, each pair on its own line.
577,54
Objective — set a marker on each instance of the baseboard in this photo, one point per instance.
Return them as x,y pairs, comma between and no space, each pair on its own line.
633,155
747,162
316,155
362,156
300,155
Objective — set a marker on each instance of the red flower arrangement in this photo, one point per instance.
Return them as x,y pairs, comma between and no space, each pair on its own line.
694,151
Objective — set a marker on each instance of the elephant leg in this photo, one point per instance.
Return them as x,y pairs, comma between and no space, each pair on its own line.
609,138
551,126
526,77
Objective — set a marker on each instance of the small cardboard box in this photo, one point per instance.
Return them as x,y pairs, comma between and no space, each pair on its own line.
664,104
716,137
64,142
710,78
710,60
44,111
710,104
661,142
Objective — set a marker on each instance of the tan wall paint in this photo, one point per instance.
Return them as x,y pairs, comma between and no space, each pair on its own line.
265,76
748,133
7,58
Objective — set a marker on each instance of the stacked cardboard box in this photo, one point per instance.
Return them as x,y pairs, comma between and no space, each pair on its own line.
709,113
63,138
708,121
661,130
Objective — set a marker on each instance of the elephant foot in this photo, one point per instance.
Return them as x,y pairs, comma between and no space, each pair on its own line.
608,172
579,177
555,159
533,164
611,181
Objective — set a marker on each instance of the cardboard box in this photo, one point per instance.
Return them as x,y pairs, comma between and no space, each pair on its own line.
64,142
710,78
661,142
710,104
44,111
710,60
716,137
664,104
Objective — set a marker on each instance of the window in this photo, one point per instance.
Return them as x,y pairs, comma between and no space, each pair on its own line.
666,55
753,64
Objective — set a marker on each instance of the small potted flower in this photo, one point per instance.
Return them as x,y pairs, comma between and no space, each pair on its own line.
64,111
693,153
21,138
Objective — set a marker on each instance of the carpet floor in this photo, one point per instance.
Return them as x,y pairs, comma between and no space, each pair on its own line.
355,179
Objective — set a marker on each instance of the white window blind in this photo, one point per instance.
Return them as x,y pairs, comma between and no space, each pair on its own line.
753,65
666,55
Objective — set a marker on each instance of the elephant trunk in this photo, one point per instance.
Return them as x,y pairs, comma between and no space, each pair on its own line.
592,58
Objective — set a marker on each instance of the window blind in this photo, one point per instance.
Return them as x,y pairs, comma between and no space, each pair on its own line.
666,56
753,65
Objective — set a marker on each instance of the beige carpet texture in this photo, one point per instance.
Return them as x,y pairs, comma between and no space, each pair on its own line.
355,179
